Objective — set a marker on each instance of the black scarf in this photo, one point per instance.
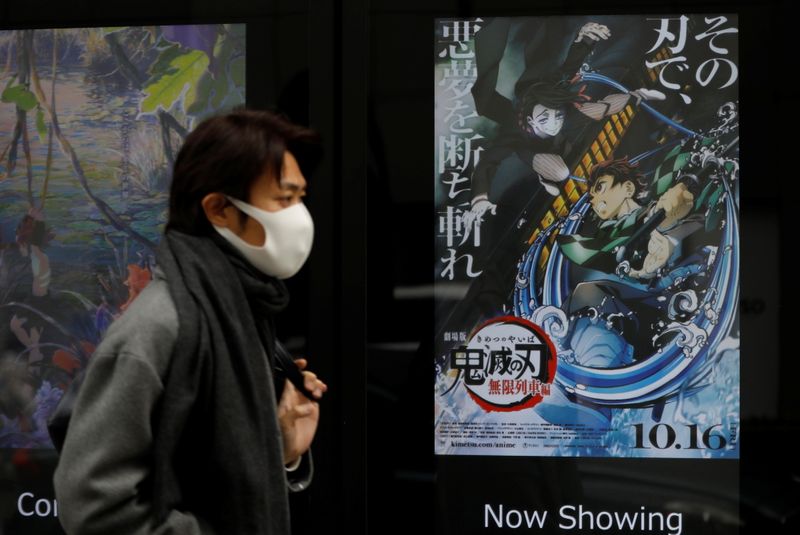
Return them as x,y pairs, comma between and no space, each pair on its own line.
217,441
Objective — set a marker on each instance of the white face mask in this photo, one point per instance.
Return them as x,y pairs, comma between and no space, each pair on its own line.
289,235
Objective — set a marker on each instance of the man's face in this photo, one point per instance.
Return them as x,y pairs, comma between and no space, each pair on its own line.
272,195
607,199
546,122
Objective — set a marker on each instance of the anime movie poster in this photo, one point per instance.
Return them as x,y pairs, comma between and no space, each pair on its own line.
587,236
91,120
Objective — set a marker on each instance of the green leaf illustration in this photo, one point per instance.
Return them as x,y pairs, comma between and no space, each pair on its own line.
220,91
162,64
224,87
202,95
180,81
41,127
11,80
113,29
237,71
21,96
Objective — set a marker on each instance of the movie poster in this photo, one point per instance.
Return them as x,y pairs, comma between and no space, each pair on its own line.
91,121
587,236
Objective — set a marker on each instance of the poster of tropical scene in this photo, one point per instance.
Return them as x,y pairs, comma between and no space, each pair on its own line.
91,120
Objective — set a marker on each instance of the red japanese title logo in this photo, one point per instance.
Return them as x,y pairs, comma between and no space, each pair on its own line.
508,364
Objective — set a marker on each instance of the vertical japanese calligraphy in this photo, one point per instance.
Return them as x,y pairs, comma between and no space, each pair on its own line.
458,148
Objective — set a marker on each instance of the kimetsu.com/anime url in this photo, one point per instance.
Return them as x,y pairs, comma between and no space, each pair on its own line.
459,444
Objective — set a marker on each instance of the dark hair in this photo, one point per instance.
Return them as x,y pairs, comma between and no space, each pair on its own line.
226,154
551,93
621,171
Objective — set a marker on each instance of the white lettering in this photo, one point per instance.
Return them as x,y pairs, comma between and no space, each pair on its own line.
607,523
660,518
537,517
41,507
498,520
583,514
45,510
513,518
573,517
20,508
677,529
511,523
627,518
563,514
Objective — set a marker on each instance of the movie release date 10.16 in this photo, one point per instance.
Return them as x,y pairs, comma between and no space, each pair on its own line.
689,436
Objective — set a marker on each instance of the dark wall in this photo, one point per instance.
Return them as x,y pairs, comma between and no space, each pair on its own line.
360,73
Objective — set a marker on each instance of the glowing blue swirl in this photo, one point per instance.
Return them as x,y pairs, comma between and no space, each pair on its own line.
660,375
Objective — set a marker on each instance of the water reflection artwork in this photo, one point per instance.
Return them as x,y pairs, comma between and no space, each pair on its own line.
91,120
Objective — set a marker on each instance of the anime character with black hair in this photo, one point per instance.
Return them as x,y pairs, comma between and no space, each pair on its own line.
535,127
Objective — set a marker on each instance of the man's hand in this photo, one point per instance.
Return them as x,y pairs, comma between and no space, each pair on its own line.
473,216
647,94
593,32
659,250
676,202
298,416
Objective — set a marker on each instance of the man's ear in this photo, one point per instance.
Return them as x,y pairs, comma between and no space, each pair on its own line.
219,211
630,188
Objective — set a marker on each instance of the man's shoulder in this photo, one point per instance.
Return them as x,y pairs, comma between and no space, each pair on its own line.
147,330
153,306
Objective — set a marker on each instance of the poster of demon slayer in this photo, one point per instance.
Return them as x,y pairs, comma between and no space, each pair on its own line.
587,236
91,120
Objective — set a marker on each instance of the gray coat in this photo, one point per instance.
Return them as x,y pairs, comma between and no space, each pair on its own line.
104,473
